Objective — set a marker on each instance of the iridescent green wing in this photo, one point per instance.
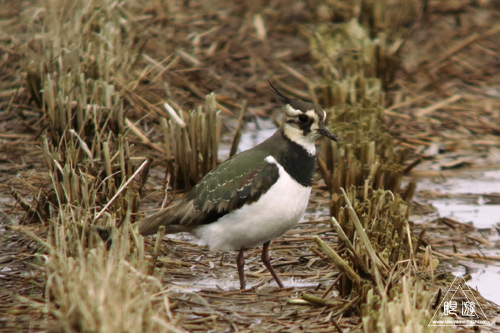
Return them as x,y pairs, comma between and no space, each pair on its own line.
240,180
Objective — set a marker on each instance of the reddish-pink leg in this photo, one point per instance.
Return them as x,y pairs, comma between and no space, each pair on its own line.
267,262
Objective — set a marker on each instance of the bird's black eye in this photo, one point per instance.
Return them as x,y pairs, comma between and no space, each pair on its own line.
303,118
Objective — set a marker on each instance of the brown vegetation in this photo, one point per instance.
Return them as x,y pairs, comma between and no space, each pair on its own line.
108,106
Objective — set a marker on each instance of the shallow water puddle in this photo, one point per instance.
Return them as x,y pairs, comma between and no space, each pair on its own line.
231,283
472,182
481,215
256,133
473,198
486,282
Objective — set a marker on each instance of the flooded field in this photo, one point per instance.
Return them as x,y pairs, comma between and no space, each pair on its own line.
110,110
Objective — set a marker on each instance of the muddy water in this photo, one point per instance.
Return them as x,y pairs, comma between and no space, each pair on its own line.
474,198
471,198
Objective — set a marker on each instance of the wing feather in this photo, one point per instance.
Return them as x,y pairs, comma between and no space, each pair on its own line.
232,184
229,186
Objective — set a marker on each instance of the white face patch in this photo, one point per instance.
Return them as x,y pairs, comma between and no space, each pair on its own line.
293,131
312,114
291,112
296,135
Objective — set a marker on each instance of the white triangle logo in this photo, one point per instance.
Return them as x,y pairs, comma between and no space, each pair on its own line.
459,307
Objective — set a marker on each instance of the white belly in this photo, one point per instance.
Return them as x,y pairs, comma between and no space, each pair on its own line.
276,212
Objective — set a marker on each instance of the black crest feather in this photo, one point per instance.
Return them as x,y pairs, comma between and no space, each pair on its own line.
278,93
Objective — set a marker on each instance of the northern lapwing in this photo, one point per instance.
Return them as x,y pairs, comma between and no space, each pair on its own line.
256,195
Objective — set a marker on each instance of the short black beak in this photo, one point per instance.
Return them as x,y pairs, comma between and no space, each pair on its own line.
325,132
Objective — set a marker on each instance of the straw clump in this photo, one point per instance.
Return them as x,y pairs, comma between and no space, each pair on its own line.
348,58
191,141
376,249
91,288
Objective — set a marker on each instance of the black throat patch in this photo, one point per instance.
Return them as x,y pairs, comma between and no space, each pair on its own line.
296,161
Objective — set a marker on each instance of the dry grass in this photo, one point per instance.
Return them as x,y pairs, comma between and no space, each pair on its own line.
92,288
94,83
409,310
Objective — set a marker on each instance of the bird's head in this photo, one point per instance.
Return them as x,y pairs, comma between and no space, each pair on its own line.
303,122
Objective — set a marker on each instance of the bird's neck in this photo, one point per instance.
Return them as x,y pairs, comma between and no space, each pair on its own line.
296,159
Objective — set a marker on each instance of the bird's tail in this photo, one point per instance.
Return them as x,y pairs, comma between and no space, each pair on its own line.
169,217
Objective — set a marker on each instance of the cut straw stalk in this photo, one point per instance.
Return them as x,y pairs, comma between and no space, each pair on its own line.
341,234
237,133
156,250
174,116
193,140
320,301
121,189
260,28
314,299
132,126
438,105
337,260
